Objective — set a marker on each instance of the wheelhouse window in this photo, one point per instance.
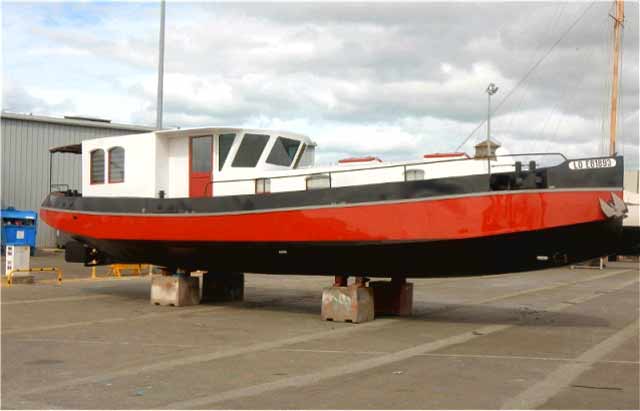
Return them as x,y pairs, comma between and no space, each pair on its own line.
283,152
263,185
250,150
318,181
97,167
414,175
225,141
306,157
116,165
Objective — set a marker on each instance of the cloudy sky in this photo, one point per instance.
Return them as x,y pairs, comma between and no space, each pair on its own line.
389,79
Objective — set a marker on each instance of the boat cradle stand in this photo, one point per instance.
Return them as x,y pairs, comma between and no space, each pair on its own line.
360,303
181,288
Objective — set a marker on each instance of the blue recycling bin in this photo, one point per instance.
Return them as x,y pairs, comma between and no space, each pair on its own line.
19,228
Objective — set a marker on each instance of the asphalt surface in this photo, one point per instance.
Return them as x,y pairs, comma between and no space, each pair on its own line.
554,339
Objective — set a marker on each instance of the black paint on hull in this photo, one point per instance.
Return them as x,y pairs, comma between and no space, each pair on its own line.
531,250
630,241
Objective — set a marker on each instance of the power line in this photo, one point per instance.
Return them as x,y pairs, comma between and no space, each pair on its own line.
552,32
528,73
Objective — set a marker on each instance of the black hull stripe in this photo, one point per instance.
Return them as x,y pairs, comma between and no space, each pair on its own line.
337,205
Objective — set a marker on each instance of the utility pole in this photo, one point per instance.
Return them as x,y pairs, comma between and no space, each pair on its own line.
617,34
491,90
159,102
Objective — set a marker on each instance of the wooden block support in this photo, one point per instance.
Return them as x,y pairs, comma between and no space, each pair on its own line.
353,303
176,290
222,287
392,297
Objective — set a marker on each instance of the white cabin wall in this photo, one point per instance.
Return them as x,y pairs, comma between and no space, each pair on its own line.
138,160
359,175
178,167
162,169
279,185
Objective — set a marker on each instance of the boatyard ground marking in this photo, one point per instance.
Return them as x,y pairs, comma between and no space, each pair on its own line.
194,359
74,280
364,365
13,331
75,341
58,299
99,279
554,286
332,372
169,364
557,380
526,357
454,355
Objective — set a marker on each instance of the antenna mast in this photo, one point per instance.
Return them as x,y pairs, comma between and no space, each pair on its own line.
617,33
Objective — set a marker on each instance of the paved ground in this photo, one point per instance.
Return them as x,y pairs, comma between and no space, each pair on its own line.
550,339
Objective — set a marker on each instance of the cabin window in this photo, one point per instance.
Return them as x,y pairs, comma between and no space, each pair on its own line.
283,151
318,181
306,158
116,165
250,150
97,167
201,154
413,175
225,141
263,185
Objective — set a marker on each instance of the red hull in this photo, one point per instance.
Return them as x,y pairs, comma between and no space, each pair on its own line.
429,219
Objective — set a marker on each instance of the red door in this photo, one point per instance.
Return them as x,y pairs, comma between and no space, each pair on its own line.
201,166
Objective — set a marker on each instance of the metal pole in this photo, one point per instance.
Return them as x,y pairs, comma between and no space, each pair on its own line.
491,89
50,169
617,27
488,120
160,67
489,138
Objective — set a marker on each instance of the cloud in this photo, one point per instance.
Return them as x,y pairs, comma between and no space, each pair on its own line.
392,79
19,99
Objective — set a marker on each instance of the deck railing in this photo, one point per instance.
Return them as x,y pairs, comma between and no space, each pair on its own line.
403,167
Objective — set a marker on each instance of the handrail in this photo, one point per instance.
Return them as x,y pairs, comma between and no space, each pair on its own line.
34,269
404,166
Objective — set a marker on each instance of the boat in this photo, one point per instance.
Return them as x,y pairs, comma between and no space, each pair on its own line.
246,200
224,199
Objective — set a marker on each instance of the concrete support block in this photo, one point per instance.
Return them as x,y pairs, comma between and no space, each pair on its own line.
392,297
353,303
176,290
222,287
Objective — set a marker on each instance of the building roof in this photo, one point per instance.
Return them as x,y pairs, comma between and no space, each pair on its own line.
71,148
76,121
483,143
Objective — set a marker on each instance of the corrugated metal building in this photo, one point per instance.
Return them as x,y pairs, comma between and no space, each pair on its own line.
26,140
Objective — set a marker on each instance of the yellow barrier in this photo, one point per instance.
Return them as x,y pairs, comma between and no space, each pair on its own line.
36,269
116,269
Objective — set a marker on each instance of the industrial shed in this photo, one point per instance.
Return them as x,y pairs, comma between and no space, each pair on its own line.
26,140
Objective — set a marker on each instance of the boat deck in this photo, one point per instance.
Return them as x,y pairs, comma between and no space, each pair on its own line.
557,339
